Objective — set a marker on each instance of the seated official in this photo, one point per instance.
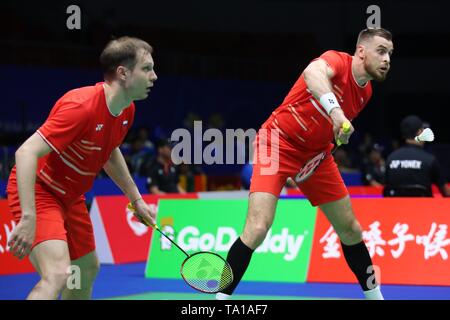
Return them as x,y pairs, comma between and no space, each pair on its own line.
410,170
162,175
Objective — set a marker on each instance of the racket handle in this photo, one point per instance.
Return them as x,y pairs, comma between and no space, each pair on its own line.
155,226
147,223
346,129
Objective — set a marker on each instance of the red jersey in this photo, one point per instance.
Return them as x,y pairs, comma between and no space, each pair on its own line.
302,120
82,133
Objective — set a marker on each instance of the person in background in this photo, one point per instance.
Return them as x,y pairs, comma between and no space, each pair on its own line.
343,161
143,135
374,167
410,170
162,175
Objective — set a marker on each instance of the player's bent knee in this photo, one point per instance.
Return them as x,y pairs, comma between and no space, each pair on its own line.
56,279
89,269
260,231
255,234
352,234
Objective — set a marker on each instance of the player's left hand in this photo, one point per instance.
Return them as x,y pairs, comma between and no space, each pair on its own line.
144,212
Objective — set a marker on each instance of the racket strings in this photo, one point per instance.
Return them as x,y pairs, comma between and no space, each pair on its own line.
207,272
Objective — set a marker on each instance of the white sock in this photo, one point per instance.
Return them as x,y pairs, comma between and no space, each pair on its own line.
374,294
222,296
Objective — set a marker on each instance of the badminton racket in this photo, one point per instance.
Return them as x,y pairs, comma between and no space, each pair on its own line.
204,271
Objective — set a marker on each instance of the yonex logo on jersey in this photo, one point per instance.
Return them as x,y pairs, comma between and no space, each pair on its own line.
99,127
405,164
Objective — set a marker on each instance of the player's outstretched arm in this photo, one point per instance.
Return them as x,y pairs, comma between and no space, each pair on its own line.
117,170
26,165
318,76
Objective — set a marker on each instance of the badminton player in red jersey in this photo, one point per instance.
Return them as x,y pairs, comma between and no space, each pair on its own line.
59,162
331,91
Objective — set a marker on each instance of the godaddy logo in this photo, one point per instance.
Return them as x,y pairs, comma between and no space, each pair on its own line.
191,239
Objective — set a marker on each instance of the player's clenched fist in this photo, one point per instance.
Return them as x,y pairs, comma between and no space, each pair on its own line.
342,128
144,212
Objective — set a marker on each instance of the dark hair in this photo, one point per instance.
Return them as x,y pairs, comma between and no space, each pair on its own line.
121,52
163,143
410,125
369,33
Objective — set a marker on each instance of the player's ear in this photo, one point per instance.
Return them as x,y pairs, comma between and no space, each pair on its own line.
360,51
122,73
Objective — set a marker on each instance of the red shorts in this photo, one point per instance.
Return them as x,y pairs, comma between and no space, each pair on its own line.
271,171
56,221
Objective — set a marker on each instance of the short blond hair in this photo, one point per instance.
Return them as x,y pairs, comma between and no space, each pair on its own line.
121,52
369,33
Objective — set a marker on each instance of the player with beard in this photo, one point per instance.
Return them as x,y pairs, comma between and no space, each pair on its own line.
331,91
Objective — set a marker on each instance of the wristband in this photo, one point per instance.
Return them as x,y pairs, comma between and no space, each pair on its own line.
329,102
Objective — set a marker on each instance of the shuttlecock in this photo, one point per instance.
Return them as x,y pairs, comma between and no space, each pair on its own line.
427,135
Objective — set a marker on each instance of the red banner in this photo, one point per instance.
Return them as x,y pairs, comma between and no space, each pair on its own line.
9,264
119,236
365,191
407,238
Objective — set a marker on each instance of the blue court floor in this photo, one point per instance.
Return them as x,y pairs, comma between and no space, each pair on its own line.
127,282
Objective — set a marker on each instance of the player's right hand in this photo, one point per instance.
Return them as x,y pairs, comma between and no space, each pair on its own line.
144,213
22,237
338,118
